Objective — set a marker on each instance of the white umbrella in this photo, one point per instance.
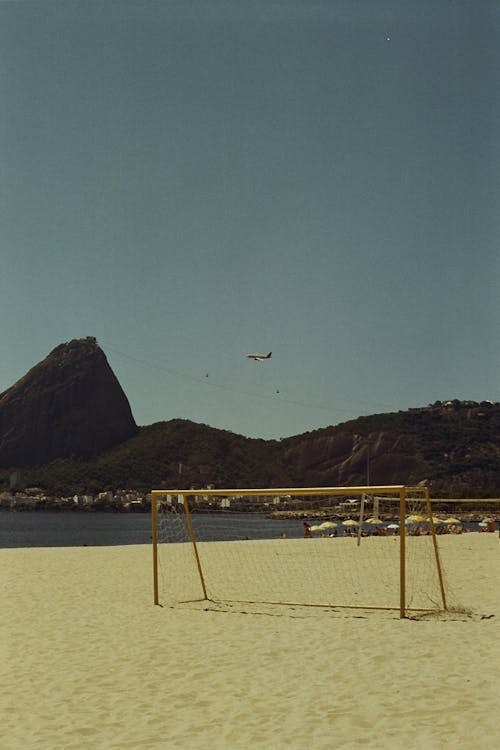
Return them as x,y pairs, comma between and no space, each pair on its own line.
393,526
452,520
328,525
373,521
350,522
315,528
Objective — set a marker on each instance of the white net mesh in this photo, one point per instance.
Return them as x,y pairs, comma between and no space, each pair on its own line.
349,558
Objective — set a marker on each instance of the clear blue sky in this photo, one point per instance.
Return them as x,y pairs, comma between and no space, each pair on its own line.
190,182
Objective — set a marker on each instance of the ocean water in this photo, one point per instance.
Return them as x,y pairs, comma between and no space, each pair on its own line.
45,529
73,529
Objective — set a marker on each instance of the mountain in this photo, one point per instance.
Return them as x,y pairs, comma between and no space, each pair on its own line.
453,446
69,424
70,404
455,449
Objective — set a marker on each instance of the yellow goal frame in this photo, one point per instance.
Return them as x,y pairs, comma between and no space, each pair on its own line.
398,490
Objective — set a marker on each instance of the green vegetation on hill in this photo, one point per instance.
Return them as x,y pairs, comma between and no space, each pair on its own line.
172,454
454,447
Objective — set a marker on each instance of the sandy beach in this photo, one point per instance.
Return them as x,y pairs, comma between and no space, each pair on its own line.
87,661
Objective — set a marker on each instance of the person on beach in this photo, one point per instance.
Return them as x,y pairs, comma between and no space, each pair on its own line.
307,530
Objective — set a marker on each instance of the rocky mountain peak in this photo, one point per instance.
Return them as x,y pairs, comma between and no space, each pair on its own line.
69,404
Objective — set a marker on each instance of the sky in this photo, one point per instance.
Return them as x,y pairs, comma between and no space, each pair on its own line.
194,181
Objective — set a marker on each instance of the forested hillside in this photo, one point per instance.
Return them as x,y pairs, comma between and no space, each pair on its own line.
453,446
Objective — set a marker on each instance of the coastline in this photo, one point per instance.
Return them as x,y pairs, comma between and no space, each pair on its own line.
467,510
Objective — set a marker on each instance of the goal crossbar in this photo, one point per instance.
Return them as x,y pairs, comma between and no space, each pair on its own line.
397,493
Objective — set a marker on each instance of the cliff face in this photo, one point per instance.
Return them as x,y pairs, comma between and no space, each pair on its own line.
70,404
347,459
451,445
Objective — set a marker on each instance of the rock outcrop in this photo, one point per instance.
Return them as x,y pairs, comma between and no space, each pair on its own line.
452,444
345,458
69,405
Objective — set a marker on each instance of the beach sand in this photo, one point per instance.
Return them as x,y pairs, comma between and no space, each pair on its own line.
87,661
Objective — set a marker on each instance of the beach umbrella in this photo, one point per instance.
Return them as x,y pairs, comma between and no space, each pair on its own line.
415,519
328,525
393,526
373,521
452,520
350,522
483,524
434,520
315,528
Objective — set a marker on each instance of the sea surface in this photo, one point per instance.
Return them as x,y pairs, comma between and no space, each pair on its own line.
45,529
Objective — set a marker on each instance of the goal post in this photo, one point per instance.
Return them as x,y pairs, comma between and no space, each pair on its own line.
211,544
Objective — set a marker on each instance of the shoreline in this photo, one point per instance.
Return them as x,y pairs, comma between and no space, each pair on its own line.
481,508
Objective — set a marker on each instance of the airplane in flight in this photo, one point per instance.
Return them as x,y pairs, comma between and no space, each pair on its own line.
259,357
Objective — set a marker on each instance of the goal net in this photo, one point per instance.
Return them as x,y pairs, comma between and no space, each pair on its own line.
366,547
